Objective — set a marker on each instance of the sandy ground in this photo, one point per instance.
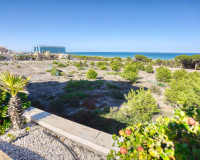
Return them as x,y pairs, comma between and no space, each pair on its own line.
44,87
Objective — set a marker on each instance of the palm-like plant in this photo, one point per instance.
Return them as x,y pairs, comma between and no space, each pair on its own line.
14,84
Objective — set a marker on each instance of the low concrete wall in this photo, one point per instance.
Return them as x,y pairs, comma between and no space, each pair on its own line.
4,156
86,136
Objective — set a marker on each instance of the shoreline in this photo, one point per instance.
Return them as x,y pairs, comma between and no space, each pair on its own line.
151,55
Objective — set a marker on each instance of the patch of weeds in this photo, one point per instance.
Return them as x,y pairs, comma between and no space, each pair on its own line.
73,98
55,72
81,68
11,136
54,62
83,84
89,104
161,84
155,89
112,86
18,66
92,63
70,74
103,67
113,73
99,64
61,65
27,129
117,94
81,64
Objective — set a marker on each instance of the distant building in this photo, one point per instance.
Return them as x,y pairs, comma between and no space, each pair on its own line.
4,50
52,49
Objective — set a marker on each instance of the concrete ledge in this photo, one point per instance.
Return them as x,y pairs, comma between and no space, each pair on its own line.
4,156
86,136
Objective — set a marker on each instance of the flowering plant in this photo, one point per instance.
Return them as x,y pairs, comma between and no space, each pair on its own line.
172,138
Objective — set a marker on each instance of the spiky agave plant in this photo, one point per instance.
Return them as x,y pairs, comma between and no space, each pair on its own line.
14,84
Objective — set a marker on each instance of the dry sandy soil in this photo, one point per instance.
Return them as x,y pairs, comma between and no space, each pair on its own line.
44,87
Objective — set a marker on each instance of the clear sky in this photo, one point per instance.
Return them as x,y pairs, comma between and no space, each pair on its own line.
102,25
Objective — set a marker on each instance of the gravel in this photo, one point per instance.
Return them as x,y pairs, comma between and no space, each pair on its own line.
34,142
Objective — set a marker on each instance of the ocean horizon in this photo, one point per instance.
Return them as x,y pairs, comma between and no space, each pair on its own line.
152,55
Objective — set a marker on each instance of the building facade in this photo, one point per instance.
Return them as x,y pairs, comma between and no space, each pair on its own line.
4,50
52,49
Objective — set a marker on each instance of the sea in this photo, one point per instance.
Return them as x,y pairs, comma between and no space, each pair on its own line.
163,56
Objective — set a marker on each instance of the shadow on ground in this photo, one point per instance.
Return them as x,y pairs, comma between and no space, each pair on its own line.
52,97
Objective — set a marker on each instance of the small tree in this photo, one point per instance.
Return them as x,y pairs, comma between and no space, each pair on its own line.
149,69
140,66
14,84
92,63
185,60
115,65
91,74
140,104
179,74
130,73
142,58
196,60
163,74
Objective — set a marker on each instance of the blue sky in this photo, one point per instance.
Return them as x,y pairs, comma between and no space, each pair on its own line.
102,25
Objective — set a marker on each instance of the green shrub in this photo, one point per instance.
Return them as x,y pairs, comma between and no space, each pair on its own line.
112,86
113,73
141,104
18,66
139,108
149,69
142,58
99,64
54,62
185,90
91,74
61,65
161,84
56,72
83,84
92,63
163,74
94,58
185,61
80,64
103,67
71,99
81,68
140,66
128,59
179,74
166,139
115,65
130,73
